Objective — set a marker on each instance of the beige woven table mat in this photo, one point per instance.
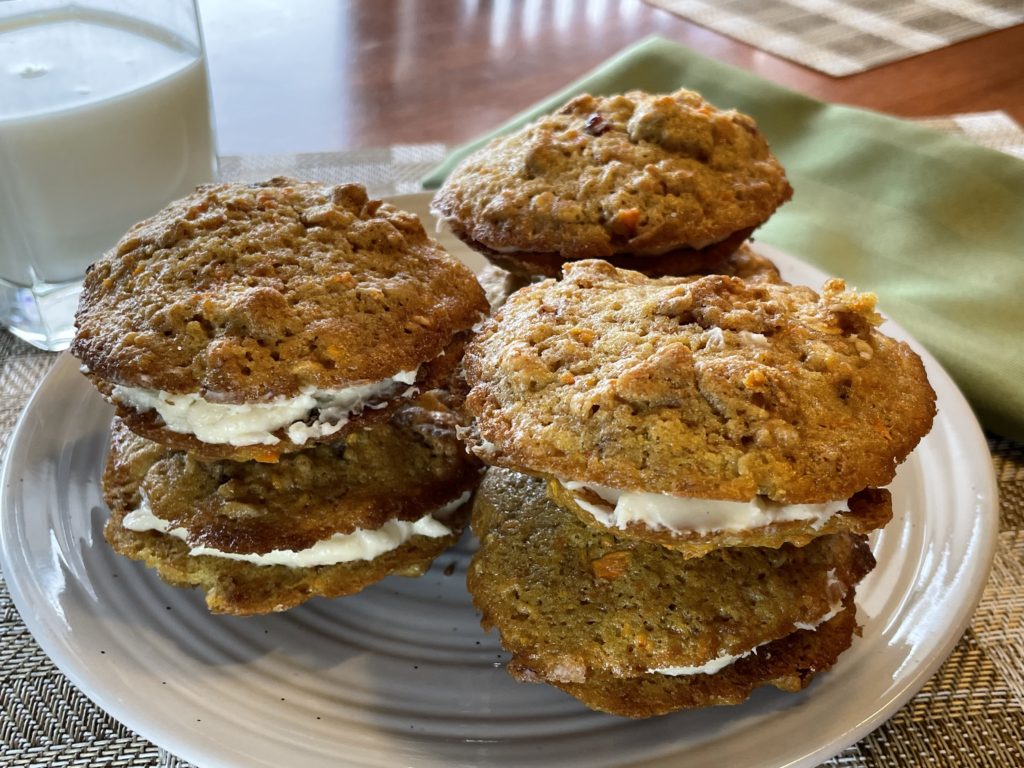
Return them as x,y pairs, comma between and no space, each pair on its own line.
971,713
842,37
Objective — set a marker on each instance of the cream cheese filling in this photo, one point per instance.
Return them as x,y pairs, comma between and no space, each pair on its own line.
662,511
361,544
254,423
719,663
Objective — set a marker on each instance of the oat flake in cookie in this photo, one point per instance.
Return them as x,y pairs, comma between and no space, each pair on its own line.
647,399
328,520
663,184
249,320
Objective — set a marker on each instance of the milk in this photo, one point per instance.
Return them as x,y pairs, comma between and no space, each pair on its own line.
103,121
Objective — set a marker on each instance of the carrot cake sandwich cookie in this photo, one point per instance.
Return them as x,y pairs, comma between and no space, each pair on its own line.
325,521
250,320
672,435
698,413
660,183
278,355
637,629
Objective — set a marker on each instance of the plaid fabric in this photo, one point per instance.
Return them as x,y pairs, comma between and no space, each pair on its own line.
393,170
970,714
842,37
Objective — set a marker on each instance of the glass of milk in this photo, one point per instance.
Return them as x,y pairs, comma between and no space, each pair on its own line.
104,119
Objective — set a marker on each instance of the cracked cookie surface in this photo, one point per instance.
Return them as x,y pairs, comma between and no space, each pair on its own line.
636,175
710,388
247,292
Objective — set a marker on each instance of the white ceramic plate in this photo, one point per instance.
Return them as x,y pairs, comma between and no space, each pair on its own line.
401,674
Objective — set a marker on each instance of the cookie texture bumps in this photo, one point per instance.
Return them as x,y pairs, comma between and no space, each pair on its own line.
254,291
712,388
645,176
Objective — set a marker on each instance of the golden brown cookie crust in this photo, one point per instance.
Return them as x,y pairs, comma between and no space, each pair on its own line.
570,601
499,283
745,263
638,173
789,664
246,292
709,388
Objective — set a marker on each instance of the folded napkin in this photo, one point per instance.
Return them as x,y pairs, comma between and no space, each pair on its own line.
931,223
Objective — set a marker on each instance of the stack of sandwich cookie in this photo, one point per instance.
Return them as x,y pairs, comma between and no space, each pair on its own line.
663,184
637,629
327,521
691,468
271,350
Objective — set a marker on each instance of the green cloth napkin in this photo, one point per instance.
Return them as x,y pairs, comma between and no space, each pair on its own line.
931,223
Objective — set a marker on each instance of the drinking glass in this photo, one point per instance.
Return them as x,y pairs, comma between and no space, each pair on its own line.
104,118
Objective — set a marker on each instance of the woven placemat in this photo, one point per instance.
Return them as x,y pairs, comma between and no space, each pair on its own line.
842,37
971,713
393,170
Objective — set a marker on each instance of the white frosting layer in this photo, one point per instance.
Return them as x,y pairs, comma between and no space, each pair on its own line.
255,423
340,548
723,661
661,511
715,665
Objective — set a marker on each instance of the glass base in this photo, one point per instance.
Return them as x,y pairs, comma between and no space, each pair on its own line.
43,314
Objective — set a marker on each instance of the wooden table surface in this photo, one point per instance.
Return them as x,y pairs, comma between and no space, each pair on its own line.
325,75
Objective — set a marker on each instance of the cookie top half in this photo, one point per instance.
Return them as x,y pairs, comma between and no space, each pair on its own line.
711,388
638,173
247,292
